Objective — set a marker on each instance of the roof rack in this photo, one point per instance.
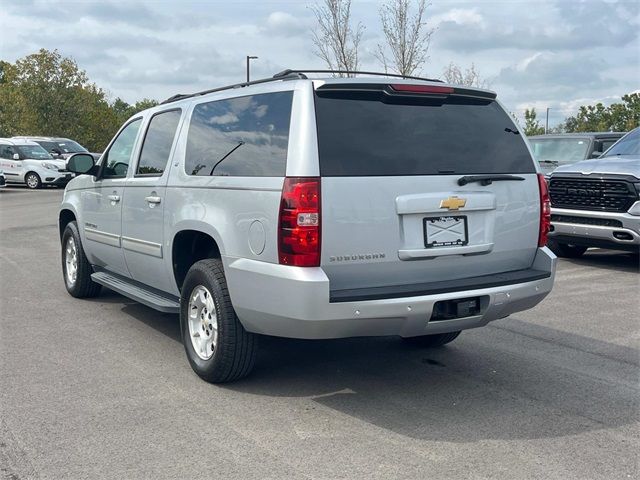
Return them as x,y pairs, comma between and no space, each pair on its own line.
275,78
290,74
287,72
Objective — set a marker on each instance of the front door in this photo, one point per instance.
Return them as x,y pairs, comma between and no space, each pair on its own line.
144,203
102,203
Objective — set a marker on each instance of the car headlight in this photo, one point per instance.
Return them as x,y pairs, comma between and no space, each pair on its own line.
635,208
50,166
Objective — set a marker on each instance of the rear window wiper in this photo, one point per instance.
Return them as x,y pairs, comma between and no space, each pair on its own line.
487,179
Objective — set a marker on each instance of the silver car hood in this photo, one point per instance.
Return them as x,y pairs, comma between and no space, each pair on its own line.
627,165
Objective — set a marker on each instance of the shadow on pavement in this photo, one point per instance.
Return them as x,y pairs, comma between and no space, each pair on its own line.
474,389
165,323
464,392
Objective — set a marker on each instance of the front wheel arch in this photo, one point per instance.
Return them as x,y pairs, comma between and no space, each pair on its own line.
65,217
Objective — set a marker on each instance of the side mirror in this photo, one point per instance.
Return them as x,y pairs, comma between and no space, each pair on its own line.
596,154
16,156
81,164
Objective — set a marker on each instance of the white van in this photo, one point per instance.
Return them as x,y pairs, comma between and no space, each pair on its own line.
24,161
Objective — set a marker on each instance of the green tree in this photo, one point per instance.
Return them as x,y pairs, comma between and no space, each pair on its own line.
531,124
619,117
48,94
124,111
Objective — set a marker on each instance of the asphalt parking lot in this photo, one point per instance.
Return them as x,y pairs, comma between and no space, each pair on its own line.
101,388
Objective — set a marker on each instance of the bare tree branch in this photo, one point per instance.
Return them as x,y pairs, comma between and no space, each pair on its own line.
335,41
470,77
406,34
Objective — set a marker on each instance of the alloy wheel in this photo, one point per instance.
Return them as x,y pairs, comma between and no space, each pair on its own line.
203,322
71,261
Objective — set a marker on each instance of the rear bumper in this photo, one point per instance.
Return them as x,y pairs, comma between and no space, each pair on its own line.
295,302
624,235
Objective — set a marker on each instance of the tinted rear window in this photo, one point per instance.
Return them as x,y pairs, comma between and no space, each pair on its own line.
371,134
244,136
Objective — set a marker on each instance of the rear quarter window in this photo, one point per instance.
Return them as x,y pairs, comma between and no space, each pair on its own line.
373,134
243,136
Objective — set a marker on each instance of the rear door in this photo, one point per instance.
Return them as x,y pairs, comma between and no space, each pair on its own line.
144,203
401,202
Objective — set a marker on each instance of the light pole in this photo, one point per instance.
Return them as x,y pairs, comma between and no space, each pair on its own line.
546,125
249,58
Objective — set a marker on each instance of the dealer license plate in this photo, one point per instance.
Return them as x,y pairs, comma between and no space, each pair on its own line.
445,231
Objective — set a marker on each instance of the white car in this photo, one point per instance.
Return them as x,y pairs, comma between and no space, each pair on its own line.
27,162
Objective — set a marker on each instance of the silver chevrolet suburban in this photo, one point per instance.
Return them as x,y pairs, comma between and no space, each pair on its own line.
313,208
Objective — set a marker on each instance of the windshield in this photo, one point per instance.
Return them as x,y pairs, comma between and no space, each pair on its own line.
66,146
35,152
562,150
627,145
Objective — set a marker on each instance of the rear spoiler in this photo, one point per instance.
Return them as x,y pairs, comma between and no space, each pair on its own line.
408,90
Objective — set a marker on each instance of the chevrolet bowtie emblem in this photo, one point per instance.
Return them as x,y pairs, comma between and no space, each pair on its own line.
453,203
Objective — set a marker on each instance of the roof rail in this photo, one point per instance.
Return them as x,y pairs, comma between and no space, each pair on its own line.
287,72
290,74
275,78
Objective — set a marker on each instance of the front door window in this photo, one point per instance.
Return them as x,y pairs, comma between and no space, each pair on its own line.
116,160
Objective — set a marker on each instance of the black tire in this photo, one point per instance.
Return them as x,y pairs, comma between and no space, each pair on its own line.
430,341
235,350
566,250
35,183
83,286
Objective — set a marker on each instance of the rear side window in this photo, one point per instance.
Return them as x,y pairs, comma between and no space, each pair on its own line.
372,134
157,143
244,136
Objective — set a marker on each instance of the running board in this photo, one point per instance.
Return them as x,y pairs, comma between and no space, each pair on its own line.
159,301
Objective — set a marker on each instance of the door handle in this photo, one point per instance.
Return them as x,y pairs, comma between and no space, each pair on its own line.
153,199
114,198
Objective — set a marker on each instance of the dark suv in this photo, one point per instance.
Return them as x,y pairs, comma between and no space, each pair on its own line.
553,151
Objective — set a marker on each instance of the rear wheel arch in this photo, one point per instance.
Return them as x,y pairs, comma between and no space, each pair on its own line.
188,247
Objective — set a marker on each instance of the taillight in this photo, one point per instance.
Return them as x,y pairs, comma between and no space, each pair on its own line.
545,211
299,223
434,89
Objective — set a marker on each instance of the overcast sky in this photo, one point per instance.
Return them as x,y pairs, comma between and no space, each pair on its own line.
557,54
